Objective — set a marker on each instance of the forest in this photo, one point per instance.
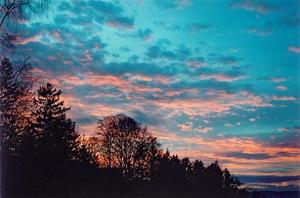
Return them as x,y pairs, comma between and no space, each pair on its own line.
43,154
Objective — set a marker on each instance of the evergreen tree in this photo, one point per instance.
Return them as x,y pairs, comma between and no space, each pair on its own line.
57,134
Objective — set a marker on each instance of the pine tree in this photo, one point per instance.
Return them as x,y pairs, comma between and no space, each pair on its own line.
57,134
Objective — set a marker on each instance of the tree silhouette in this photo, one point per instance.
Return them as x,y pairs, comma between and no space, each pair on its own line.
53,160
126,144
15,96
16,10
19,9
58,138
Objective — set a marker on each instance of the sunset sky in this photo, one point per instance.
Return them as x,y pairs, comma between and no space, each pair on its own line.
213,80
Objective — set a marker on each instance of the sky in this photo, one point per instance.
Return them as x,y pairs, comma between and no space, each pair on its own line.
213,80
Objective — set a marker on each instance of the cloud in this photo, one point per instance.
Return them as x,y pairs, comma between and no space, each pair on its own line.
186,127
262,7
24,41
283,98
204,129
100,80
291,18
159,52
225,60
285,183
144,34
294,49
156,51
217,103
187,28
259,31
172,4
220,77
252,119
146,118
283,129
281,88
243,155
277,79
120,22
98,12
196,62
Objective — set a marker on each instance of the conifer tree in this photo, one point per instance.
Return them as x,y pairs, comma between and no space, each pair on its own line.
57,134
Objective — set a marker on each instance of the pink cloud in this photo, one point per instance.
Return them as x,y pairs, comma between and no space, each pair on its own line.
254,6
186,127
93,79
208,150
118,24
157,79
24,41
294,49
204,129
57,36
283,129
195,63
221,77
220,102
281,88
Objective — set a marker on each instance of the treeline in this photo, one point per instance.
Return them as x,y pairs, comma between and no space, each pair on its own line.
42,154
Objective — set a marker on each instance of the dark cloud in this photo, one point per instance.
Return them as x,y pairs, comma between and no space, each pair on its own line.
267,179
87,120
96,12
121,68
145,118
224,59
288,185
196,62
290,20
189,27
159,51
143,34
257,156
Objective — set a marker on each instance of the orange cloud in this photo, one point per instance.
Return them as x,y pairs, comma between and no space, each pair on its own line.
222,102
186,127
209,150
93,79
24,41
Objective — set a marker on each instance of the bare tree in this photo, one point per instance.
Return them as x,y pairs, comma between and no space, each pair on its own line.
20,9
126,144
15,10
15,101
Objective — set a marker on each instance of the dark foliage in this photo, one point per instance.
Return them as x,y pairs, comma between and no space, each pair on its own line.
44,156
